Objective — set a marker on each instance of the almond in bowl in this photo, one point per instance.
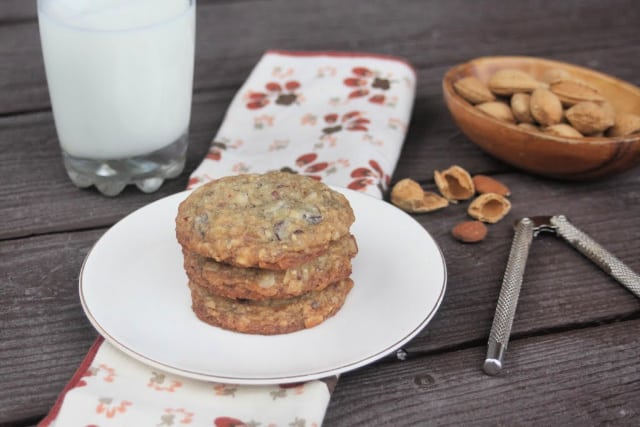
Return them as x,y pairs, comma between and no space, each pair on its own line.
547,117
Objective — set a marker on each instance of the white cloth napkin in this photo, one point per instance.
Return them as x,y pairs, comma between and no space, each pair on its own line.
339,117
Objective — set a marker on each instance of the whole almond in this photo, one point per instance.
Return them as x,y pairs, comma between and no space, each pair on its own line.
409,196
520,107
625,124
470,231
473,90
545,107
454,183
489,207
571,92
486,184
528,127
589,118
509,81
554,74
497,110
562,130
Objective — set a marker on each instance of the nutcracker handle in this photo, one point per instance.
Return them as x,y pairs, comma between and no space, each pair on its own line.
508,299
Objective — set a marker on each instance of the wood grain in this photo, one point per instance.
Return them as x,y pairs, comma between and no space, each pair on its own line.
593,380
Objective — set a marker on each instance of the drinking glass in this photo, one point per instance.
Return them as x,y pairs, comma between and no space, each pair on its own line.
120,77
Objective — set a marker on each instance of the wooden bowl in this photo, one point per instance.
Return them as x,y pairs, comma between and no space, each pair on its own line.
537,152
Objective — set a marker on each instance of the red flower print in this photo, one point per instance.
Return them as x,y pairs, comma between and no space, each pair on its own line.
351,121
290,385
110,409
171,416
214,154
228,422
305,159
292,85
308,165
331,118
159,382
355,82
366,81
257,100
371,175
361,173
273,87
215,151
274,90
361,71
377,99
358,93
359,184
316,167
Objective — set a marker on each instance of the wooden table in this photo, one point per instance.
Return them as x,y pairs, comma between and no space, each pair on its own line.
573,358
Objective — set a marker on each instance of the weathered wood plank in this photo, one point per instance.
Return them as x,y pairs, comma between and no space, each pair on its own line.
17,11
44,333
593,380
434,35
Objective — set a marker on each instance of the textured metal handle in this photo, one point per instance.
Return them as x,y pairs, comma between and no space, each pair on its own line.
596,253
508,299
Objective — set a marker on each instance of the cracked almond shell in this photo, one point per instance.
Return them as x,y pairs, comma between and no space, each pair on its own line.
454,183
409,196
489,207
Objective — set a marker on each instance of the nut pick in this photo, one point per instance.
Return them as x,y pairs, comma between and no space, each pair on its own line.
525,230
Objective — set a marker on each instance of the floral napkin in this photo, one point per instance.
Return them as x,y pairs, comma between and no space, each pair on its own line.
338,117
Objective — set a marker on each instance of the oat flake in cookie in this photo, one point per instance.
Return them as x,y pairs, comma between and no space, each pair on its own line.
274,221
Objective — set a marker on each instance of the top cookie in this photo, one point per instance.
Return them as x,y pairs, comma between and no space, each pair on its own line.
273,221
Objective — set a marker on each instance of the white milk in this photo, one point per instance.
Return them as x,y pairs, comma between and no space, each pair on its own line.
120,73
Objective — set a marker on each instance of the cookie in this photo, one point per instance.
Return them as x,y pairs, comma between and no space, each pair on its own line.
271,316
276,220
253,283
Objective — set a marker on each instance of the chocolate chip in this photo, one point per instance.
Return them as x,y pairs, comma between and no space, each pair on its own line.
312,218
278,230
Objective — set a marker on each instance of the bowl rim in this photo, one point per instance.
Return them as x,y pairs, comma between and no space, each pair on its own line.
448,89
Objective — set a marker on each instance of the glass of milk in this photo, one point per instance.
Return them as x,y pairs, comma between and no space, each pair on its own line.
120,76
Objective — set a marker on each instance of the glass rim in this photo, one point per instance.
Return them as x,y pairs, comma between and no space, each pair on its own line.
42,13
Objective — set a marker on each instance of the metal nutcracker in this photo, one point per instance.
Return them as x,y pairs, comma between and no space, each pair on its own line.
525,230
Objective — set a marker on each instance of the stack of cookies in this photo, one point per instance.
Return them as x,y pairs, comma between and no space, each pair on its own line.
266,254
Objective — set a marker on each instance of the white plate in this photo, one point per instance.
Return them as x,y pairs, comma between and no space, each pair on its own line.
134,291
